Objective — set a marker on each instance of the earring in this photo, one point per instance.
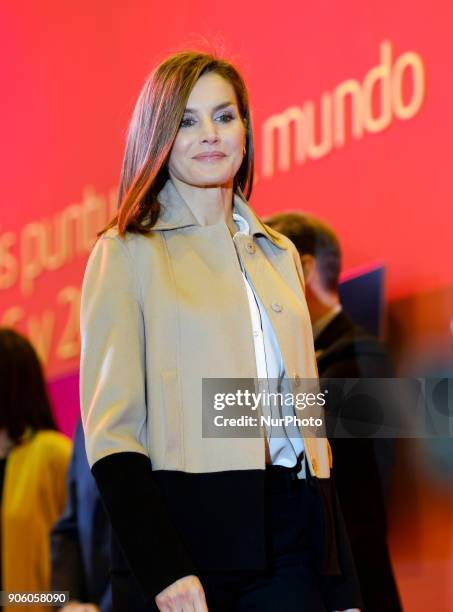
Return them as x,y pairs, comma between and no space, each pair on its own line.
243,150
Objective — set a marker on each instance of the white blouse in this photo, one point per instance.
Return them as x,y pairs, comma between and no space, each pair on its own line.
284,450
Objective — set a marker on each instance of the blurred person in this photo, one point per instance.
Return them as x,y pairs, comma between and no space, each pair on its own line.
361,466
81,540
183,286
34,459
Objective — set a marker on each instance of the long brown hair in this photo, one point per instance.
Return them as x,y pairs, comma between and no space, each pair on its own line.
153,129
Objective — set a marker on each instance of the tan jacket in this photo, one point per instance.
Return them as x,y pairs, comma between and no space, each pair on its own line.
164,310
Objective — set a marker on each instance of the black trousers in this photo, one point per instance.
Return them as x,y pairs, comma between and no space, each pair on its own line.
291,582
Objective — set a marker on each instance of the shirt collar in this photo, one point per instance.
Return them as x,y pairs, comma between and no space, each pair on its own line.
321,324
242,224
175,214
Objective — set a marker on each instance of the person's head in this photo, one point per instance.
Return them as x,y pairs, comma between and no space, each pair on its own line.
319,251
24,400
178,117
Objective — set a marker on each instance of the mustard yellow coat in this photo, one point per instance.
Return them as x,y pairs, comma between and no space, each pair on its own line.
34,496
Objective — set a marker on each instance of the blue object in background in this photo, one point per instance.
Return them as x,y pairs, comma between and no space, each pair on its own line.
362,297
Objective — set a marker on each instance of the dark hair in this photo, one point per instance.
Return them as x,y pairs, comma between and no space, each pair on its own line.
25,402
312,236
153,128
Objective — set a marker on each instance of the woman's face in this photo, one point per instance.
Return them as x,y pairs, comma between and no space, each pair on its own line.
208,148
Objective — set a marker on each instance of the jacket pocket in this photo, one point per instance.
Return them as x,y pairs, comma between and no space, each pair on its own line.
172,420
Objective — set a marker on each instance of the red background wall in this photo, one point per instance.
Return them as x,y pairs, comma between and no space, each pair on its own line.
71,72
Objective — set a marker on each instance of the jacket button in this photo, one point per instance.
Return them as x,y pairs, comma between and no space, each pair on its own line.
250,248
276,307
297,380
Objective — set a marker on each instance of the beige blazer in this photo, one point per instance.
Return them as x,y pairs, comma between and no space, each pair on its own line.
164,310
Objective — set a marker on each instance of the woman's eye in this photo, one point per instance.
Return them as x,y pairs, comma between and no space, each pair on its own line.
223,118
226,117
186,122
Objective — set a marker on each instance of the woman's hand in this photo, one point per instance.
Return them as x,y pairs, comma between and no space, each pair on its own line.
184,595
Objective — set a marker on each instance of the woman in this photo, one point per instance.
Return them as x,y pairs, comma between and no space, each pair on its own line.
34,459
186,285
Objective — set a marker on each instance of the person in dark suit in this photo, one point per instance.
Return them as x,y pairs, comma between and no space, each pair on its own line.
81,540
345,350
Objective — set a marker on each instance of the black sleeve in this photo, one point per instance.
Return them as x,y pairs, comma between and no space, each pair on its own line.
140,520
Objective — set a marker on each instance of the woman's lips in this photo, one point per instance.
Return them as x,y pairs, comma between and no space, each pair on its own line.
210,157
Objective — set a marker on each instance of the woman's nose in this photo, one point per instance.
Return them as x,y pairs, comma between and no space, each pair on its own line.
209,132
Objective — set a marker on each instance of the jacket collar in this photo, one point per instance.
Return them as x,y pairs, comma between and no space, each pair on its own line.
175,214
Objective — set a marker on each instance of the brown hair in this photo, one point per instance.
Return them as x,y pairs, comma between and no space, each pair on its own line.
153,129
25,401
312,236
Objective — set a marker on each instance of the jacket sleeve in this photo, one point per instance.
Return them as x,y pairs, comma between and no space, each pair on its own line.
114,413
